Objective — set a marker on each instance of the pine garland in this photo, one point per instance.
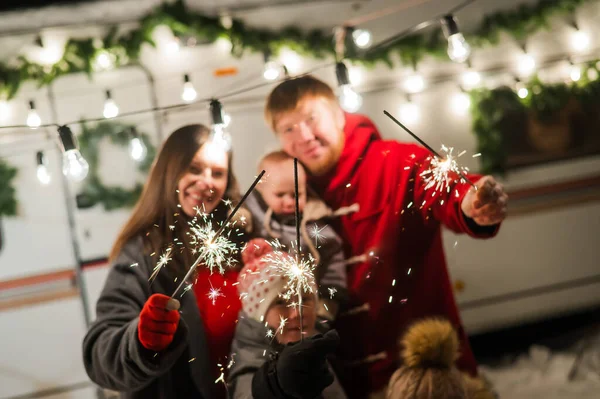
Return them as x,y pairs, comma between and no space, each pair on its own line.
496,111
80,54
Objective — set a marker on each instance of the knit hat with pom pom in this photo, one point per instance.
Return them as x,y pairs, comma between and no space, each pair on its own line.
429,351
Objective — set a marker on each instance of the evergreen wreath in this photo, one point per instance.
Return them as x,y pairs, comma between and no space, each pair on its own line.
94,190
8,199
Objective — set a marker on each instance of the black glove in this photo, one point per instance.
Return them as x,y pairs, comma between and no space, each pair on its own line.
300,371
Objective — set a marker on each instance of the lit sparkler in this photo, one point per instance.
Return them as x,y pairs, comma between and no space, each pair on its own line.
215,251
441,171
298,273
443,165
214,248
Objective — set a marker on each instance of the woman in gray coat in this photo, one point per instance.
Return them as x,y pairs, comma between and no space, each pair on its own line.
144,344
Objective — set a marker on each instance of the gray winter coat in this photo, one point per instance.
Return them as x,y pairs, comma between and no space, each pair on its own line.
328,251
112,354
250,350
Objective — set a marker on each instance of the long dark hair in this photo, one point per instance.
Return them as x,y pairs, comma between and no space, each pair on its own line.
157,209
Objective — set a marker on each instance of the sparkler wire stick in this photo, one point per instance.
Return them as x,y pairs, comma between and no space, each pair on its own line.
237,207
300,291
220,231
424,144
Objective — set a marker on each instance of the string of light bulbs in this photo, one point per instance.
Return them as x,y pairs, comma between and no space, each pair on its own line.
75,166
362,40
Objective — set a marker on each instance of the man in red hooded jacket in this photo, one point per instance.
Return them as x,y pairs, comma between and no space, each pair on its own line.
401,273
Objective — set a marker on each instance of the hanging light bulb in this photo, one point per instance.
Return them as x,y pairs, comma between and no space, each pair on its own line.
219,136
350,101
172,46
42,169
110,107
291,60
521,89
226,119
409,112
458,48
580,40
362,38
103,60
470,78
526,64
75,167
574,72
272,69
461,102
33,118
49,52
414,83
137,148
189,92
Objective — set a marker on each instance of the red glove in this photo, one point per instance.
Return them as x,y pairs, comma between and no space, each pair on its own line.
158,322
254,249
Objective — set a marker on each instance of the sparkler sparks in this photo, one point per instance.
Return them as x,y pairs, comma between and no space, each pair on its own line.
444,171
213,246
315,232
282,322
440,166
186,289
215,251
298,272
332,291
214,293
162,261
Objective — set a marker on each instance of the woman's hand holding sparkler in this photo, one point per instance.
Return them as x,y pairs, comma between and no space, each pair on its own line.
486,205
300,371
158,322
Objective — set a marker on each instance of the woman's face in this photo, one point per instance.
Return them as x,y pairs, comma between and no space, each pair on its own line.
203,184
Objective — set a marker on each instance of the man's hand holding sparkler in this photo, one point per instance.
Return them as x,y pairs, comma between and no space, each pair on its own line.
486,205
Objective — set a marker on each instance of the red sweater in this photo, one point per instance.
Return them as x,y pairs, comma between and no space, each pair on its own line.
219,318
406,277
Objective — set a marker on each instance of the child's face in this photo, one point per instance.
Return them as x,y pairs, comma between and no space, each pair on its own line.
278,190
280,308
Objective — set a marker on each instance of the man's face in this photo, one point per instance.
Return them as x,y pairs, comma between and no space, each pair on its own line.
313,133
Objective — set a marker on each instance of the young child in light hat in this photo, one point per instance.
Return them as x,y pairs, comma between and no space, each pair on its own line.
270,360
